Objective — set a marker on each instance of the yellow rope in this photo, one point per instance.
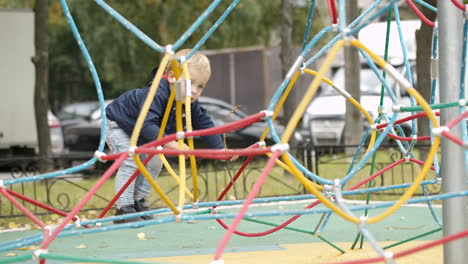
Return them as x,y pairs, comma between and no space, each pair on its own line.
369,119
153,183
173,174
148,101
188,120
179,128
301,108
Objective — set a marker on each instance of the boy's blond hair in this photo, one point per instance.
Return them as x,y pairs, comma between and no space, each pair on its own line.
197,59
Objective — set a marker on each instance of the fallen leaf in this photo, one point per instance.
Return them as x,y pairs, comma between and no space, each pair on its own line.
81,246
10,254
141,236
12,225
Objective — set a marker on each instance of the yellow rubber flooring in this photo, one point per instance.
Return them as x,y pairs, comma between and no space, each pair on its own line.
309,253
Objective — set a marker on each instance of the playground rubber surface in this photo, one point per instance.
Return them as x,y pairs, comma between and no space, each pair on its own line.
196,241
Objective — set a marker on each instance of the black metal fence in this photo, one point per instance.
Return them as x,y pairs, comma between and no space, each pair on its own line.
325,161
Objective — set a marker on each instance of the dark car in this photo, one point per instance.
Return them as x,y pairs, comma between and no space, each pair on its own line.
85,135
76,113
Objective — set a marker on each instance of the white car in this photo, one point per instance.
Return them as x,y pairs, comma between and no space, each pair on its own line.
325,116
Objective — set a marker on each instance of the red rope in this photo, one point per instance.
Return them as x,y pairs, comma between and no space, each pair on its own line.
41,205
129,181
408,118
23,209
457,120
412,250
407,138
459,5
253,193
85,199
419,13
332,11
206,152
453,138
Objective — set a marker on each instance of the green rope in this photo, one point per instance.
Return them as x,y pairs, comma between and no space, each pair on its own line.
387,44
433,106
413,238
16,259
297,230
90,260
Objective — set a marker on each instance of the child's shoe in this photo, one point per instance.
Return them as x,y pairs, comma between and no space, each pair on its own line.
142,206
129,209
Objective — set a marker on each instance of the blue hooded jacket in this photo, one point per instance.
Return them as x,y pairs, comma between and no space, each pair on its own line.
126,108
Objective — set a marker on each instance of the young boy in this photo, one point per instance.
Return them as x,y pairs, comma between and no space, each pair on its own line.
122,114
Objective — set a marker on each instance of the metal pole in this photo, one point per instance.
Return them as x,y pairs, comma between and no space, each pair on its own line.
452,168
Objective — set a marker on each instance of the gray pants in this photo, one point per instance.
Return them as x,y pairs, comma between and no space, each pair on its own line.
118,141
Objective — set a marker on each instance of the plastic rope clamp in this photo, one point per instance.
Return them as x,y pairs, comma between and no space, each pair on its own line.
99,154
334,27
388,256
297,63
2,183
178,218
373,127
268,114
180,135
283,148
344,36
98,224
37,253
362,222
261,144
188,131
49,229
397,108
437,131
182,59
218,261
159,147
178,90
213,211
77,221
195,205
169,49
464,145
302,68
439,180
131,151
462,102
407,158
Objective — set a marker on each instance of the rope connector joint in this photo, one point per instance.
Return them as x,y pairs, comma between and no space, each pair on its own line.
437,131
37,253
283,148
180,135
99,155
131,151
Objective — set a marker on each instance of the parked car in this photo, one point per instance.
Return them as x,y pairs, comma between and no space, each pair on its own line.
325,116
85,135
56,134
85,115
75,113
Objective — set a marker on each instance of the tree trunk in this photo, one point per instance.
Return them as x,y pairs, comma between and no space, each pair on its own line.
41,102
423,71
286,55
353,119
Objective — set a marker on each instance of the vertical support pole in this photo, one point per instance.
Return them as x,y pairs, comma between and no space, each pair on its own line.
232,79
453,173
